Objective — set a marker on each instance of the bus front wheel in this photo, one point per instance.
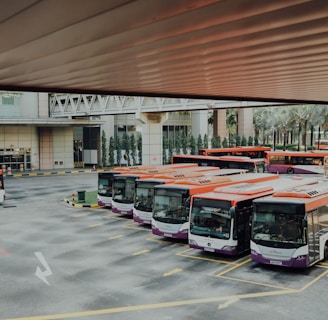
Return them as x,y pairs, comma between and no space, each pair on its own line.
325,252
290,170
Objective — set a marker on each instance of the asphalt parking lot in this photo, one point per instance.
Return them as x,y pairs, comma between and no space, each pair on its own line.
62,262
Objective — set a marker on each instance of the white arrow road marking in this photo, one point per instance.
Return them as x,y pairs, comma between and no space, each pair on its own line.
42,274
227,303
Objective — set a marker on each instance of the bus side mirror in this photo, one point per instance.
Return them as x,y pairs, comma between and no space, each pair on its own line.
232,212
304,223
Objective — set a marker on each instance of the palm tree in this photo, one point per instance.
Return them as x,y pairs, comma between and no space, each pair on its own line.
302,115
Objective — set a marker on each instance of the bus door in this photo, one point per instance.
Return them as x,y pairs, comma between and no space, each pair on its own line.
243,228
313,236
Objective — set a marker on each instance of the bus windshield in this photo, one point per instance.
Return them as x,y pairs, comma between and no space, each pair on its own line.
171,206
144,194
124,190
210,218
277,223
104,187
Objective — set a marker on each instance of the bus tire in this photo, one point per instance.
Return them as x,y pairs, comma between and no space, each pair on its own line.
290,171
325,252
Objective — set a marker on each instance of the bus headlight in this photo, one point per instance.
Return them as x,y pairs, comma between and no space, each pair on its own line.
229,248
193,242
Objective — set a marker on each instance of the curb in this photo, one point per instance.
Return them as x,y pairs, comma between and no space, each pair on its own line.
79,205
46,173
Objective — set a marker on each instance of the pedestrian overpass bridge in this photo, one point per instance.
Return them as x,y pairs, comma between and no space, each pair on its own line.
79,105
152,112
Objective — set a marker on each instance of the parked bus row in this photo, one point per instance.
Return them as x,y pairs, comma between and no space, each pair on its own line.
245,151
106,178
295,161
144,188
256,165
290,162
215,213
124,185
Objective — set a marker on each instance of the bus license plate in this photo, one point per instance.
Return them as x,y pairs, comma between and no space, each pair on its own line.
168,235
209,249
275,262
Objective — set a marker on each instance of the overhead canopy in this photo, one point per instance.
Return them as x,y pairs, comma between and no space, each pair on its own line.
273,50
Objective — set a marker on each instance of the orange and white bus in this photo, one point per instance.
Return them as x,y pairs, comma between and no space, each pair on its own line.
295,161
106,178
321,144
223,162
290,228
124,185
244,151
172,201
220,219
144,188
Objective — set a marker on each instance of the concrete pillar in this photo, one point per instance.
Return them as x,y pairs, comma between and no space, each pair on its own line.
245,122
220,123
43,106
152,136
199,123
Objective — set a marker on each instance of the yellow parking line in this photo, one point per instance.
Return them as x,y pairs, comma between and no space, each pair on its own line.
96,225
170,273
116,237
183,254
234,267
255,283
163,240
314,280
140,252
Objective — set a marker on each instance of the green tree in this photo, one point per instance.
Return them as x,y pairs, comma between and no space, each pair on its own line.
111,152
199,142
184,143
231,120
213,142
177,144
225,143
127,149
165,145
243,141
192,145
103,148
133,147
238,140
170,151
205,141
139,147
216,142
118,150
250,141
